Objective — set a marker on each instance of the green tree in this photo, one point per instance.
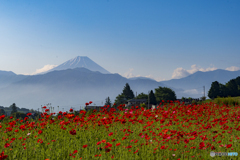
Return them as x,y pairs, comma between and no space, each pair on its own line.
183,99
2,112
14,108
164,93
126,95
108,102
214,90
127,92
120,99
142,96
232,87
152,98
238,84
203,98
224,91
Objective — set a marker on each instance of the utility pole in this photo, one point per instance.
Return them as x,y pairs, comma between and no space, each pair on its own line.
204,91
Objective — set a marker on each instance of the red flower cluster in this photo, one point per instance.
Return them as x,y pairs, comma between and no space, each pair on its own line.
72,132
156,128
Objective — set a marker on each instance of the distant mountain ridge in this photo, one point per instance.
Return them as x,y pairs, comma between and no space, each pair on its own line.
71,86
65,85
199,79
78,62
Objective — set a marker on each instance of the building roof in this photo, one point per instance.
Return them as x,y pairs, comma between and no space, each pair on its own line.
137,100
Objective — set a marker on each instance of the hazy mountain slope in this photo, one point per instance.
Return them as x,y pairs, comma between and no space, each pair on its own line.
8,77
72,86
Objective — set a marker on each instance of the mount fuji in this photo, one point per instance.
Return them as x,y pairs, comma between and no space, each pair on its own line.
79,62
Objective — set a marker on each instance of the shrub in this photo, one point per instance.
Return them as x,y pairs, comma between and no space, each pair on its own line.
143,105
229,101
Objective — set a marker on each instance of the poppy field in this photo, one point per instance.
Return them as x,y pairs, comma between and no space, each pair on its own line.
171,131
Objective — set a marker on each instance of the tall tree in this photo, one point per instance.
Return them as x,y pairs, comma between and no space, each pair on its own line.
238,84
224,91
127,92
108,102
164,93
14,108
152,98
214,90
232,87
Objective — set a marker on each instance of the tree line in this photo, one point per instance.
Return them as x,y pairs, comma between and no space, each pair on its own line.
161,93
14,112
231,88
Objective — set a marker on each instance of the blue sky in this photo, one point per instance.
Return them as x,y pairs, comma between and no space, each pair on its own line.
157,38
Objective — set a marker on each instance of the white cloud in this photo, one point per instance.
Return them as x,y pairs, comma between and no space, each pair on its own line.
129,74
233,68
191,91
180,72
158,79
44,69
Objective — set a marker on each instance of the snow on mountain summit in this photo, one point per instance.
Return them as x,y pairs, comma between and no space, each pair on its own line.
78,62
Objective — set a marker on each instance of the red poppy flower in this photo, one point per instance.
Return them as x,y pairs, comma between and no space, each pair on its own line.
123,138
118,144
2,156
186,141
201,145
29,114
129,147
73,132
103,141
44,107
71,110
40,131
213,148
6,145
229,145
75,151
84,146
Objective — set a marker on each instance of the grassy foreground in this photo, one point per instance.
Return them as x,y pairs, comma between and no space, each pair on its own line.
172,132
